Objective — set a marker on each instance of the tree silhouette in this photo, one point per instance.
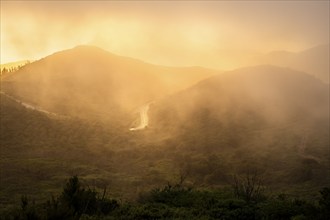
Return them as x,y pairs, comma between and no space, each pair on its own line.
249,187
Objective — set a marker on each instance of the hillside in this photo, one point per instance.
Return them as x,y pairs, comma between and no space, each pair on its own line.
314,61
275,93
89,82
39,150
267,119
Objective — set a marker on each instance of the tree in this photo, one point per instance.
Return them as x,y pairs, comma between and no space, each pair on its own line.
248,187
4,71
77,200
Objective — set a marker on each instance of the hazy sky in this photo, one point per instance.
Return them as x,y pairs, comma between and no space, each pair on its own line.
160,31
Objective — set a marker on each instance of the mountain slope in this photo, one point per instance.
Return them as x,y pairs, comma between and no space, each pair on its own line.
88,81
314,61
275,94
265,117
38,150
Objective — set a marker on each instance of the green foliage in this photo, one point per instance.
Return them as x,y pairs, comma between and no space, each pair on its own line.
176,195
286,209
325,202
50,149
170,202
75,201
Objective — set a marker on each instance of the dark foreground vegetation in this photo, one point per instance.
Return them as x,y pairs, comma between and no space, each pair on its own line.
270,120
245,200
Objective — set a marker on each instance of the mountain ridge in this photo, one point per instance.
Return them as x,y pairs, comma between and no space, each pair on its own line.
119,83
314,60
263,119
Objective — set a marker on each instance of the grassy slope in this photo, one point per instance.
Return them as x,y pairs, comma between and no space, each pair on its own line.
268,119
38,152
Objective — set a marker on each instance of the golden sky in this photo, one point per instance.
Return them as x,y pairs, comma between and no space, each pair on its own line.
161,32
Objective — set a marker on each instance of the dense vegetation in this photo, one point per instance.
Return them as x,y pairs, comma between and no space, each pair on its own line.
265,118
208,137
50,149
38,152
208,146
173,202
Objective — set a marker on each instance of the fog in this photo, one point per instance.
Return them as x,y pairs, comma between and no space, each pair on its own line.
91,82
166,33
137,95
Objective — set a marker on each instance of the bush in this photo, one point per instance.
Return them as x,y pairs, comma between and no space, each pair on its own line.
177,196
169,202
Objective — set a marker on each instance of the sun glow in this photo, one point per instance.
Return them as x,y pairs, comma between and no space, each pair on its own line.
167,33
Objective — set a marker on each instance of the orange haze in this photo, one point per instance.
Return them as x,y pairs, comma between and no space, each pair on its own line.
167,33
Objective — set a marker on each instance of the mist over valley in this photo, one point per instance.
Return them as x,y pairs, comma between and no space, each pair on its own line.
181,122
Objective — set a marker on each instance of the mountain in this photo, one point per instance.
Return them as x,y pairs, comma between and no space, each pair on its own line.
314,60
265,117
267,90
90,82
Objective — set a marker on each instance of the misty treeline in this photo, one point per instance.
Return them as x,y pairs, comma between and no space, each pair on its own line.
247,198
12,69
